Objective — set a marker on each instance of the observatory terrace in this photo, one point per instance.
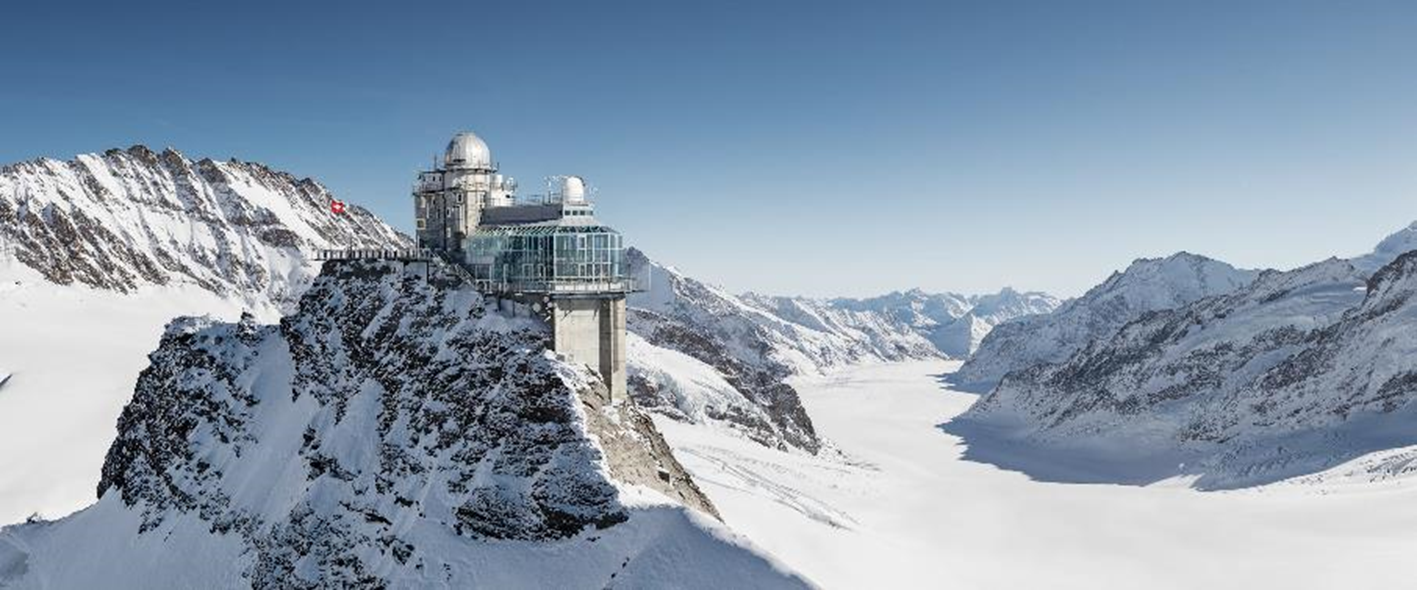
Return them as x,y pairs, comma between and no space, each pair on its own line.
547,255
550,259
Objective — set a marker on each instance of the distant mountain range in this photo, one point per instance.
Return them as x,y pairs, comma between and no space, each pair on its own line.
702,354
1145,286
1256,378
956,324
699,353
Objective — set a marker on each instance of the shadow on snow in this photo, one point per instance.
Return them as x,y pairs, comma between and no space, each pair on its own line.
1204,466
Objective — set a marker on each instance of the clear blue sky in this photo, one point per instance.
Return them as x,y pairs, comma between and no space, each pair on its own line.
788,147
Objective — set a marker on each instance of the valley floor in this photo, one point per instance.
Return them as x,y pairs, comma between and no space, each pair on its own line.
897,506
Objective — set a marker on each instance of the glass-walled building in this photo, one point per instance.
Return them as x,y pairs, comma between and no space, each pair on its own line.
554,257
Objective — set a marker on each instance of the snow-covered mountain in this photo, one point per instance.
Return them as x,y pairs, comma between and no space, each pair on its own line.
394,431
1291,374
1145,286
954,323
869,335
701,354
915,307
131,218
1397,244
98,254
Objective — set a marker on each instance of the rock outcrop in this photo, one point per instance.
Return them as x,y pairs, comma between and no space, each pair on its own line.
395,430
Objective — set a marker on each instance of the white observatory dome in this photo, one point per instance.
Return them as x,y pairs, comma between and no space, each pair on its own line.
467,151
573,189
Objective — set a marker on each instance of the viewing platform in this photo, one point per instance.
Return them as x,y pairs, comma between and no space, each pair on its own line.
401,255
560,288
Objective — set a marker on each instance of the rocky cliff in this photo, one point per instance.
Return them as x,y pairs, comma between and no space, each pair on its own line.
685,334
393,431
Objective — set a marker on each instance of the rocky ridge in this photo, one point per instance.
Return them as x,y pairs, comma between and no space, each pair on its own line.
392,431
134,218
955,324
1289,375
1146,285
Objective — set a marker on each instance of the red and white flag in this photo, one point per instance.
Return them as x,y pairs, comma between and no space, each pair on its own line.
336,206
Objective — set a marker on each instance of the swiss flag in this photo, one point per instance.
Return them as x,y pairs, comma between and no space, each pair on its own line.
336,206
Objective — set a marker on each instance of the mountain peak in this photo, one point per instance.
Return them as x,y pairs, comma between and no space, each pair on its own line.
1146,285
130,218
1401,270
1162,283
1389,249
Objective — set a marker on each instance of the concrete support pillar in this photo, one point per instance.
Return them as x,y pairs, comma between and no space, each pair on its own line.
592,332
612,345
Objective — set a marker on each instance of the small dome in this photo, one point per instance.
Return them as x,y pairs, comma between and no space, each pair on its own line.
573,189
467,151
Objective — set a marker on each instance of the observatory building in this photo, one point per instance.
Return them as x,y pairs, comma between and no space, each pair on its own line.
546,253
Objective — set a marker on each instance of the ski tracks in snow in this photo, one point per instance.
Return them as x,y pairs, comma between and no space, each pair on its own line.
755,476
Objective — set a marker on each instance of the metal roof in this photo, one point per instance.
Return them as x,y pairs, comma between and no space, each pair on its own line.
541,229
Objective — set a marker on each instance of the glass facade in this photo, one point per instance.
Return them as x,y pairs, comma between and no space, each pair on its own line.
548,258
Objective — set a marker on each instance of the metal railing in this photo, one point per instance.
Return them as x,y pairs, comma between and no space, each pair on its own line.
569,287
555,287
401,254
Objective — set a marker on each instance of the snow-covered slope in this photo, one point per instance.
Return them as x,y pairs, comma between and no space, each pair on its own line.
705,355
1147,285
132,218
1397,244
1292,374
869,335
74,354
914,308
393,432
97,255
962,337
899,507
701,354
706,332
804,336
954,323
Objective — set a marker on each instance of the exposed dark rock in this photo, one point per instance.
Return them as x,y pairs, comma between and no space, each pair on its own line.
394,385
130,218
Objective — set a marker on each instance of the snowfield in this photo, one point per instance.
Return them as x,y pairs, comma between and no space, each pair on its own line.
74,354
97,254
893,504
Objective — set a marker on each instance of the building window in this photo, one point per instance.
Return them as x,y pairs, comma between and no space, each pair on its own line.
422,224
